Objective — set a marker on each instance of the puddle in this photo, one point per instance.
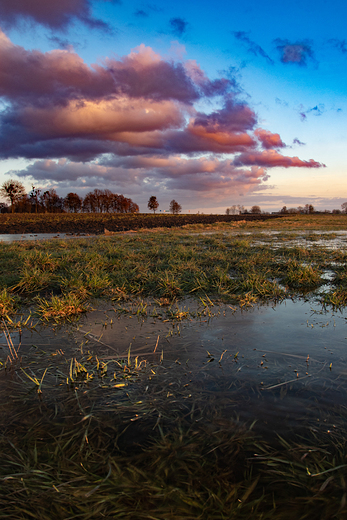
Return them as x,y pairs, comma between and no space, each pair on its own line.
327,239
283,366
40,236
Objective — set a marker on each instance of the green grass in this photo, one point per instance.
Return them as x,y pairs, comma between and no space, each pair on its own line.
172,264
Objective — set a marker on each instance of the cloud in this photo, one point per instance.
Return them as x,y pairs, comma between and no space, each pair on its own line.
297,53
317,110
59,76
62,43
341,45
271,158
281,102
178,26
141,13
251,46
297,141
136,118
50,13
202,175
268,139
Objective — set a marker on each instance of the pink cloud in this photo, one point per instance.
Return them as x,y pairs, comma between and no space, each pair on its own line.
203,175
271,158
268,139
53,14
133,116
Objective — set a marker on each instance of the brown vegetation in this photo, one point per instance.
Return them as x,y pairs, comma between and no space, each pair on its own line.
95,223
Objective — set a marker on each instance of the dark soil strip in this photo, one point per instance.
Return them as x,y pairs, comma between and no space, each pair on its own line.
96,223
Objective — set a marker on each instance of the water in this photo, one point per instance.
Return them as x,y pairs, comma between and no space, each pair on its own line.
39,236
283,366
328,239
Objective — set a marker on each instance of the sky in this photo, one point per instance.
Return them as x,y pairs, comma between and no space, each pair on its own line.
210,104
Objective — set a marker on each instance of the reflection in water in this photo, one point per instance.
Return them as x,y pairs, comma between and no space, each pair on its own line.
24,237
279,365
328,239
284,366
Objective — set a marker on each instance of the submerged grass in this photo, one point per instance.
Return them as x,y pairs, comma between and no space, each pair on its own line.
90,436
150,455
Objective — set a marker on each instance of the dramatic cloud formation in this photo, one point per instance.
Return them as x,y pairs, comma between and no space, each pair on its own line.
140,173
251,46
135,117
298,53
51,13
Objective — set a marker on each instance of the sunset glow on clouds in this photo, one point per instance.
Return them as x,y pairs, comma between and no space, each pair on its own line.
143,123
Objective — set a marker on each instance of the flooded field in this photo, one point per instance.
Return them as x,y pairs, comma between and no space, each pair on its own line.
186,375
282,365
265,378
326,239
24,237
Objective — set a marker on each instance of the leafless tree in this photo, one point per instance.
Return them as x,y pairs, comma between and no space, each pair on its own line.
153,204
51,202
175,208
12,190
255,210
73,202
308,209
34,197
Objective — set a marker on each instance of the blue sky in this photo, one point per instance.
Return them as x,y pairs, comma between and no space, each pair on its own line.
209,104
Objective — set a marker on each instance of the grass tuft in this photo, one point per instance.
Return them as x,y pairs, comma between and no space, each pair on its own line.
61,307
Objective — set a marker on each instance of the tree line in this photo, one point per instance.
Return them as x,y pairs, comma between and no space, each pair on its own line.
39,201
308,209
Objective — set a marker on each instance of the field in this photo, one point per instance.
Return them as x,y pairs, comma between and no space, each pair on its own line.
95,223
191,372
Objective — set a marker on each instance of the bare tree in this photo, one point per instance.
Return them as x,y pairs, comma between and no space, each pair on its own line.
234,209
255,210
308,209
73,202
34,197
153,204
51,202
12,190
90,203
175,208
344,207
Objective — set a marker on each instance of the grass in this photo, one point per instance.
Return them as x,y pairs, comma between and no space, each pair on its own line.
59,308
150,455
84,435
8,303
173,264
